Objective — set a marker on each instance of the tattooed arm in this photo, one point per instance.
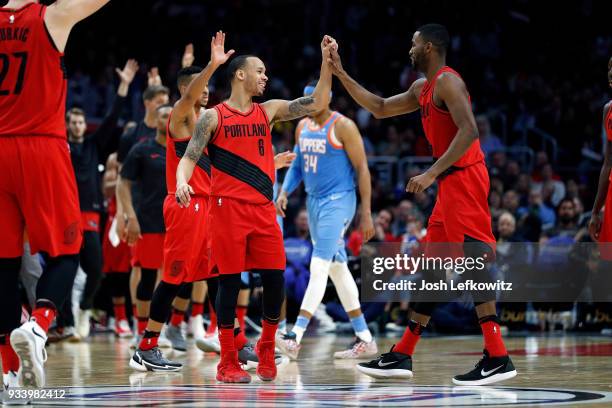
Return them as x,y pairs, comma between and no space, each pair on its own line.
204,129
279,110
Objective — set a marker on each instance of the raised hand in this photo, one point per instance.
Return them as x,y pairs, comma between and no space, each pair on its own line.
154,78
126,75
334,59
188,57
218,56
284,159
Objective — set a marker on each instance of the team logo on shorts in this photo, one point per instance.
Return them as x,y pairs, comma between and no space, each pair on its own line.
71,233
176,268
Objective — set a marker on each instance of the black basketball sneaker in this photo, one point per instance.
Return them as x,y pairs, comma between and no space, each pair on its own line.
388,365
152,360
488,370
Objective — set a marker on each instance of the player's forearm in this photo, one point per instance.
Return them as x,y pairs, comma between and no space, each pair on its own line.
460,144
184,171
369,101
364,184
199,83
602,187
123,89
124,197
321,93
293,178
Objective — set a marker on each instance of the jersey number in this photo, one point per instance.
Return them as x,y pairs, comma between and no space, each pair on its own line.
260,143
310,162
5,62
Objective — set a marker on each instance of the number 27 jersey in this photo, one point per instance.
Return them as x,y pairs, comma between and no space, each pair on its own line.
32,76
241,156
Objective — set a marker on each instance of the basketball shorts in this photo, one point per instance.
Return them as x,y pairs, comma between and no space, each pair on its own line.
328,219
90,221
114,259
38,191
244,236
461,212
148,252
186,241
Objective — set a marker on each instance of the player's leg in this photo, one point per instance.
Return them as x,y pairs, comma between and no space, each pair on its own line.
119,286
243,300
10,318
53,228
91,263
210,342
320,264
135,274
180,304
196,322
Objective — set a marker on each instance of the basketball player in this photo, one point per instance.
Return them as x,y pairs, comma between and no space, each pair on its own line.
329,153
115,259
37,184
244,233
601,227
461,214
86,153
185,252
145,164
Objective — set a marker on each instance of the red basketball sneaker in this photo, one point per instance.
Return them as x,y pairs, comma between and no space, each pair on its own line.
229,371
266,370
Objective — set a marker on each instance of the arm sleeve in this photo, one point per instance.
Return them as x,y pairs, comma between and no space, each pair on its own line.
131,168
108,128
294,174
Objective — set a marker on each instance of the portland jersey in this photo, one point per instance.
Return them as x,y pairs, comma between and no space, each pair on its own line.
241,156
200,180
326,168
608,122
32,75
439,127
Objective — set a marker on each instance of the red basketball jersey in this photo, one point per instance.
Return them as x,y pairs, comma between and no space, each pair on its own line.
175,149
439,127
241,155
32,75
608,122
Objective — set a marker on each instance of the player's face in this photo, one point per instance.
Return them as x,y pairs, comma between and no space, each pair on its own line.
77,125
417,52
162,118
255,76
157,101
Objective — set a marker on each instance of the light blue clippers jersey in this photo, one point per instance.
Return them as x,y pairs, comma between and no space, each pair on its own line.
326,168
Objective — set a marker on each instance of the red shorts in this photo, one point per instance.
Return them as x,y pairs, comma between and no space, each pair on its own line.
38,192
605,234
90,221
114,259
186,241
461,211
244,236
148,252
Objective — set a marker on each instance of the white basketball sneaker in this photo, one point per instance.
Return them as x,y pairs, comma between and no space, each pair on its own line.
196,327
358,350
28,341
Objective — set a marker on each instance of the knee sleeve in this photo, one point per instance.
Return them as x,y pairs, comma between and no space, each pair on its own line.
345,286
213,289
185,290
118,284
319,271
423,308
162,301
273,283
55,284
146,286
10,317
229,286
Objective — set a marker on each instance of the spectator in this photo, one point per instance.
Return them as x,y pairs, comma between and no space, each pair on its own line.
567,220
489,142
403,212
382,227
551,188
536,207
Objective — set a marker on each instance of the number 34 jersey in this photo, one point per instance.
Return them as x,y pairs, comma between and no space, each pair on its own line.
325,166
32,75
241,156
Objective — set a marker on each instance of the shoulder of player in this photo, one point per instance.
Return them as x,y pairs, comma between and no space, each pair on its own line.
607,108
298,129
345,127
448,80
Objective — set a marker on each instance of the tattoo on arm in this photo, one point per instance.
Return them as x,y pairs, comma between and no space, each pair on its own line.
298,108
201,136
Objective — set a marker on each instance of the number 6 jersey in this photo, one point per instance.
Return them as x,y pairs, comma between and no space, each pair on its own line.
241,157
32,75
